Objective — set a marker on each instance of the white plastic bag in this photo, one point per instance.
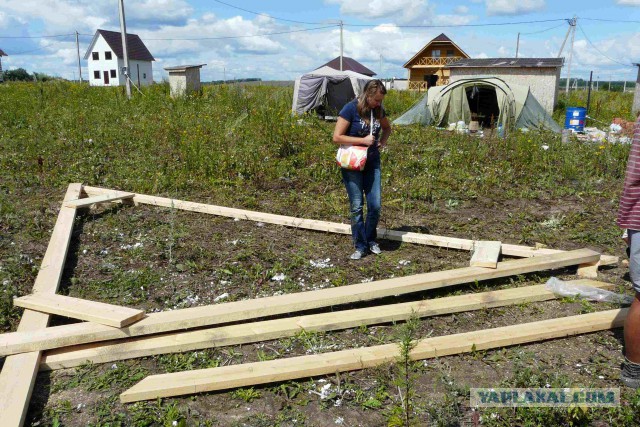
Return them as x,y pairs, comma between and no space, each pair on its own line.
562,288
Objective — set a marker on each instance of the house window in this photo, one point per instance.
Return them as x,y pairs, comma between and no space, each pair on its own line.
95,56
96,74
113,74
450,53
435,53
107,55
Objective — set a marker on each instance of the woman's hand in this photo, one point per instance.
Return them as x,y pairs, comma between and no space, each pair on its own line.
368,140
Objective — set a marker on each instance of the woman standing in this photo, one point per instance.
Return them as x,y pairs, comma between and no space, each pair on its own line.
363,122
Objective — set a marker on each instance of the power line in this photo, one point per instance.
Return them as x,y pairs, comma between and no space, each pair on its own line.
267,15
493,24
542,31
242,37
598,50
619,21
29,51
36,37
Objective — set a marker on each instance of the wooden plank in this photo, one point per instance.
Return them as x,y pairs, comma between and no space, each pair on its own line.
204,380
102,198
19,372
81,333
274,329
333,227
485,254
588,270
76,308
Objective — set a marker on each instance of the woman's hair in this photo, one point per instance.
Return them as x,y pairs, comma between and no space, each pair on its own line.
370,90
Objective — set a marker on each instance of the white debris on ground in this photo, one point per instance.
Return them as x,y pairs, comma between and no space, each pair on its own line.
403,262
134,246
191,300
321,263
613,135
329,391
221,297
279,277
339,421
367,280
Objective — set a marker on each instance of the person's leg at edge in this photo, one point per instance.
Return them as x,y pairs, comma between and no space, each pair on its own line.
373,193
632,322
353,182
632,331
631,366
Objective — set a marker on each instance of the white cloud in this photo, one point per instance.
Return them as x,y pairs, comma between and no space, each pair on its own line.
84,15
510,7
11,22
402,11
461,10
453,19
628,2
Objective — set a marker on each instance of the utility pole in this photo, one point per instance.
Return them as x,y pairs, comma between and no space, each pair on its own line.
341,44
125,52
78,50
517,45
589,92
572,23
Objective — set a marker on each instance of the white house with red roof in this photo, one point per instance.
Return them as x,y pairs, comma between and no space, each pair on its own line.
106,61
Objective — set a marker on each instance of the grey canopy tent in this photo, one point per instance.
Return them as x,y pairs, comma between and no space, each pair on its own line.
490,100
326,90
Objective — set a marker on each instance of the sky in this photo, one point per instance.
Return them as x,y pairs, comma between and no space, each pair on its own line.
281,39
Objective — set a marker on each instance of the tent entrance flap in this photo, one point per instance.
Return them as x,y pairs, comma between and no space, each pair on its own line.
338,94
483,103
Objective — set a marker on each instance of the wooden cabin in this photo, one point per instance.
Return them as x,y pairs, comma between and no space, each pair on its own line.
430,66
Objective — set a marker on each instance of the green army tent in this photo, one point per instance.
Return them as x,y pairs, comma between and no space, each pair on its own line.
489,100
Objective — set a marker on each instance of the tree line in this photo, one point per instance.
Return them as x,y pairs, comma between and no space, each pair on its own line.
22,75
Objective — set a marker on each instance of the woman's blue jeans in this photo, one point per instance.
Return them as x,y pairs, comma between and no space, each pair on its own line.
362,185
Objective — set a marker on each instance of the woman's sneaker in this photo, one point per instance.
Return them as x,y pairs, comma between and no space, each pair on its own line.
357,254
375,249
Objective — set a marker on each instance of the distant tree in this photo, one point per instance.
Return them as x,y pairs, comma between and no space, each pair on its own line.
42,77
19,74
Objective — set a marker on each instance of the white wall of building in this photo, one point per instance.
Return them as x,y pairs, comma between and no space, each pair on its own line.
543,82
141,72
107,72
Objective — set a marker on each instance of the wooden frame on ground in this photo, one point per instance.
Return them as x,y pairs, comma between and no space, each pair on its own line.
19,371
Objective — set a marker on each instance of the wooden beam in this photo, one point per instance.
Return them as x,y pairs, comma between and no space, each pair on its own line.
102,198
485,254
333,227
81,333
204,380
19,372
588,270
274,329
76,308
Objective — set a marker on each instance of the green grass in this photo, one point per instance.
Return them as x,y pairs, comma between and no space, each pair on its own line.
240,147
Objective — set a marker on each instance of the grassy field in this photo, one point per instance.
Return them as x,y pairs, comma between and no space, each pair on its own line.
240,147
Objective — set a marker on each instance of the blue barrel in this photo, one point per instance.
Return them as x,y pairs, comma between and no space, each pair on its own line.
575,118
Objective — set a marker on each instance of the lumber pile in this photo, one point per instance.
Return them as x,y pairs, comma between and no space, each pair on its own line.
109,333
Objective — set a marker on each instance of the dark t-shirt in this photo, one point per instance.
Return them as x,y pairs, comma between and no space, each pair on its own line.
357,126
